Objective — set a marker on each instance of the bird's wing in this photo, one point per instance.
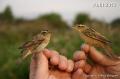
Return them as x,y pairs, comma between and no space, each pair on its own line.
95,35
30,44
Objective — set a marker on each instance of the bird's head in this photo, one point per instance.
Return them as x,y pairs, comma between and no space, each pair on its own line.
45,34
79,27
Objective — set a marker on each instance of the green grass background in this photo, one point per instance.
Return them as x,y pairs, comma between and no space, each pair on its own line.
64,40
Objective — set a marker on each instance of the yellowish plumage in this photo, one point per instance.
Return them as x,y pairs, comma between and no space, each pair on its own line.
37,44
92,37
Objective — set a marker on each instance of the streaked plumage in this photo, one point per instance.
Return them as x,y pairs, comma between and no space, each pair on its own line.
38,43
92,37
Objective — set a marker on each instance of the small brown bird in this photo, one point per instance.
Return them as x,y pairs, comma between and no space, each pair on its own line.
92,37
38,43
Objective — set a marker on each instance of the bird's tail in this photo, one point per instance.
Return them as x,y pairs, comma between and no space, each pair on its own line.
109,52
25,53
19,61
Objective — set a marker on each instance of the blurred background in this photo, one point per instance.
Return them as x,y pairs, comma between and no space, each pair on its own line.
21,19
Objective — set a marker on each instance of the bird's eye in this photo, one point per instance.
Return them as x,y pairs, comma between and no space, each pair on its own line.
44,32
80,26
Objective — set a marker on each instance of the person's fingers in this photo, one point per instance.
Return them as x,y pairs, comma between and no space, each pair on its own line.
80,60
79,64
87,68
47,53
79,55
70,66
54,58
82,64
53,55
32,69
79,74
97,56
52,77
63,63
42,66
85,48
100,58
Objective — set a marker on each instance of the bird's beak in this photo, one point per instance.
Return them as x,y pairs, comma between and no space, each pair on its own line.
73,27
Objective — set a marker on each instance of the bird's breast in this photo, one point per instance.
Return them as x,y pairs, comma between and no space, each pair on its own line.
41,46
89,40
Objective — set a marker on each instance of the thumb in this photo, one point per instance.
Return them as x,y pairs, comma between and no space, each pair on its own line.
42,66
97,56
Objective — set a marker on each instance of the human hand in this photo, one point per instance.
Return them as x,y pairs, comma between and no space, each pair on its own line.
39,67
101,68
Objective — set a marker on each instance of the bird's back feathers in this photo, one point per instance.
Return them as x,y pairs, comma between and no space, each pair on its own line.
95,35
31,43
27,44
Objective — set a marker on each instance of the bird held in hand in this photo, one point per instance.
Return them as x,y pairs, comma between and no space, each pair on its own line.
92,37
37,44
